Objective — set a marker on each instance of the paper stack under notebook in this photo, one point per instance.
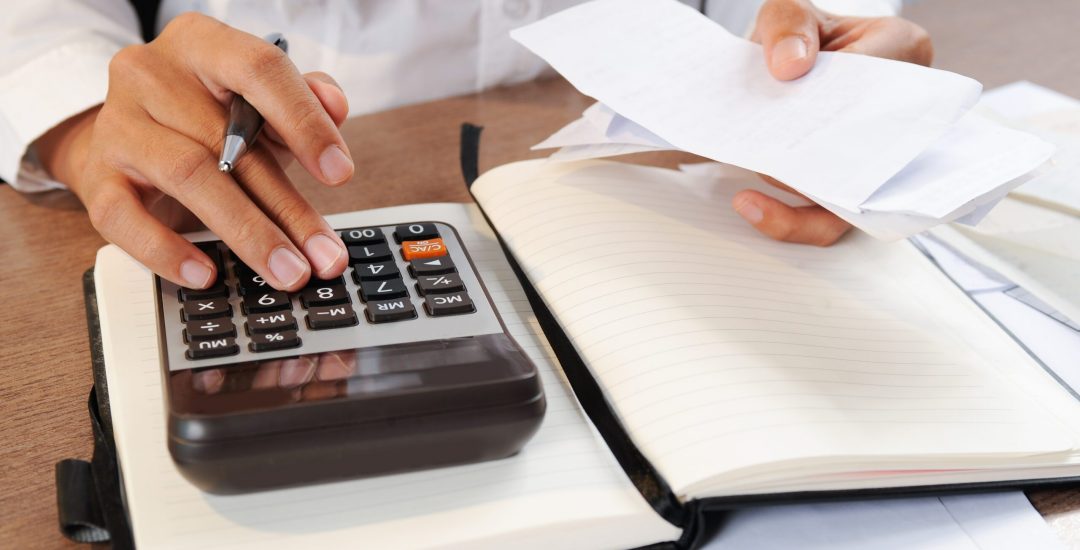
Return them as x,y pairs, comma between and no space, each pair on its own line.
889,146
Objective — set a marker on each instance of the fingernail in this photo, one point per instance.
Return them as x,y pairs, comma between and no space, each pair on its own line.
195,274
296,371
750,212
335,166
286,266
787,50
323,252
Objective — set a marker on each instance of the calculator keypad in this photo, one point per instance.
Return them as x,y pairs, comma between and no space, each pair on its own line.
394,291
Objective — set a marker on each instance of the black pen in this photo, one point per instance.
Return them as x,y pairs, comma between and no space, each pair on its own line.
244,121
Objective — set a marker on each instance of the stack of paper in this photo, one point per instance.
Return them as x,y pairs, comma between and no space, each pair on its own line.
888,146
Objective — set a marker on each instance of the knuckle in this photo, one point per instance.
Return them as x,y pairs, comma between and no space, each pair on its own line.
246,232
263,61
128,60
183,21
104,211
783,229
924,46
185,167
293,213
308,120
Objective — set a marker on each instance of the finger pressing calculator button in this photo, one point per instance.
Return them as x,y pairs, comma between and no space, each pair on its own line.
323,317
324,295
369,253
217,347
262,302
431,266
439,284
414,250
438,305
362,235
269,341
211,249
386,311
209,329
251,282
271,322
415,232
217,290
382,290
206,309
376,271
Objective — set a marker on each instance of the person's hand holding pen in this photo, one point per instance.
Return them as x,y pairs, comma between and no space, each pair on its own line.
149,155
792,32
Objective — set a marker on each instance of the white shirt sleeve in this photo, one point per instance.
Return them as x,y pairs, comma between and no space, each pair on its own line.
55,64
860,8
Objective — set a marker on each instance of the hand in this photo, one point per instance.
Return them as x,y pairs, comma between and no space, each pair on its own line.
792,32
148,156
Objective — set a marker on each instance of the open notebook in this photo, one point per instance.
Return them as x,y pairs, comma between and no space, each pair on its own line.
738,368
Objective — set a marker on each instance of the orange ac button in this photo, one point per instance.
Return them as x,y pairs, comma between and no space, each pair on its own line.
415,250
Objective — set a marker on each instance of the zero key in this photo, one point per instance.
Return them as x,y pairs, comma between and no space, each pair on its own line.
415,232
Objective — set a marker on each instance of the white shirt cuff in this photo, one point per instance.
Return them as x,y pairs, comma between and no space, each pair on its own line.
43,93
860,8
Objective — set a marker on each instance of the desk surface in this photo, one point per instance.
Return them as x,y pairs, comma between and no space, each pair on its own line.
403,156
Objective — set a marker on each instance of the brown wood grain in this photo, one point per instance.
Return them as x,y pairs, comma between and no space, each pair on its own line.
403,156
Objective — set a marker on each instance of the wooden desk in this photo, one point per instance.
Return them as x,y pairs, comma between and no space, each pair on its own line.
403,156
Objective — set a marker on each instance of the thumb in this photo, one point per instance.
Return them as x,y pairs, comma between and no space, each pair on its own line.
788,30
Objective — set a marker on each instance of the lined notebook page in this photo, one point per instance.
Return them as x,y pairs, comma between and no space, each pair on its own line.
563,489
738,363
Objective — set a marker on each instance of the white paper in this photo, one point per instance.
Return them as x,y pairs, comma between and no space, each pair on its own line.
1054,117
996,521
837,133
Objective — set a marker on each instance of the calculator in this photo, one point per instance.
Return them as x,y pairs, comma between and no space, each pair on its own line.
402,363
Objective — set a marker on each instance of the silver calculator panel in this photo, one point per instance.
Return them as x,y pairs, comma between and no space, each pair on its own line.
363,335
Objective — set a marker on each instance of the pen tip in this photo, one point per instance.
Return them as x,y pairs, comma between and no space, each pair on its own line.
225,166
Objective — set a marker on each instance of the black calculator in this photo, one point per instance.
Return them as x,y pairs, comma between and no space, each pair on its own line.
402,363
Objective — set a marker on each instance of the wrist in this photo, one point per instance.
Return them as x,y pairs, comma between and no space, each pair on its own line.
63,150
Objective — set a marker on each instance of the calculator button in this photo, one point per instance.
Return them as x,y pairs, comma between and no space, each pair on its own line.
369,253
271,322
362,235
431,266
439,284
250,282
376,271
382,290
206,309
415,232
216,290
269,341
386,311
209,329
262,302
413,250
218,347
323,317
448,304
324,295
315,281
212,250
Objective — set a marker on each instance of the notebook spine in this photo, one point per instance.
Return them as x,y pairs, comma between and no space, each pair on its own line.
640,471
